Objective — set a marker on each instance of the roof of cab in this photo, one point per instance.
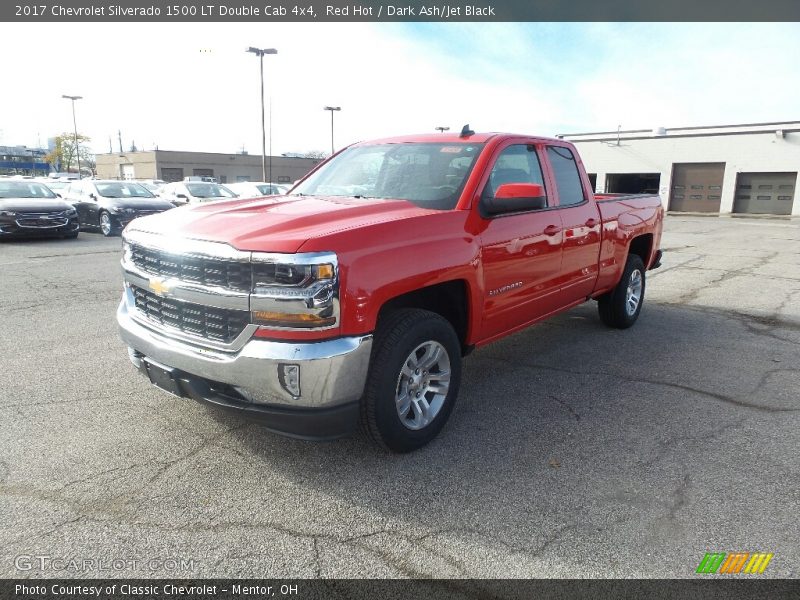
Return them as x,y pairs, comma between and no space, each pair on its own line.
450,138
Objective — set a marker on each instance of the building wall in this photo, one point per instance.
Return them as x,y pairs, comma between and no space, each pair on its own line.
230,167
21,160
762,151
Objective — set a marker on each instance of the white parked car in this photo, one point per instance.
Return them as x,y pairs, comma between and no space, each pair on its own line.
154,186
193,192
257,189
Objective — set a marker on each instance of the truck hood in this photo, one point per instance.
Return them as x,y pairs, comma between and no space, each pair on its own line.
276,223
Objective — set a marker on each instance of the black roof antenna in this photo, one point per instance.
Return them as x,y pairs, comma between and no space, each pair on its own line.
466,131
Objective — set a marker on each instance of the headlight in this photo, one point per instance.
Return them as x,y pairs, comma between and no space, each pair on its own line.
295,291
71,212
126,251
7,213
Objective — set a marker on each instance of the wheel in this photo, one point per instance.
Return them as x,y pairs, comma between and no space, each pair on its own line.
106,225
413,380
621,306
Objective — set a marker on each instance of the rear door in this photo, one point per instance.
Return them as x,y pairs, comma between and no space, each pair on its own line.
521,252
580,219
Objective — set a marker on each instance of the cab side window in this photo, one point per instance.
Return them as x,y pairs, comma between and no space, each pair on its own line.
568,179
516,164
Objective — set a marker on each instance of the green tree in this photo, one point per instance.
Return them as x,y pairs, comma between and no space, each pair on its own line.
63,154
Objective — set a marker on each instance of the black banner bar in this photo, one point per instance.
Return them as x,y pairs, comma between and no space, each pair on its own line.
708,588
397,10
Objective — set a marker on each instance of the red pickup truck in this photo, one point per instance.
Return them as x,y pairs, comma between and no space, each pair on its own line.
354,298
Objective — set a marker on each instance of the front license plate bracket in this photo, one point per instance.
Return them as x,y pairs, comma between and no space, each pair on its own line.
163,377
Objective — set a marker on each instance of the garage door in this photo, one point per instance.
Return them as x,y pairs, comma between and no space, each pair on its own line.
765,193
696,187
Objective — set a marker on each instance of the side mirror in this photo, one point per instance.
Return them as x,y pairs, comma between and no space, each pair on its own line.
514,197
93,197
182,196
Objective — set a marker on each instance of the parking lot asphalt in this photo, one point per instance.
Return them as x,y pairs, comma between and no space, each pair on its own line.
574,450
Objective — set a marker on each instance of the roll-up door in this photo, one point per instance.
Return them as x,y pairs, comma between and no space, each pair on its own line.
696,187
765,193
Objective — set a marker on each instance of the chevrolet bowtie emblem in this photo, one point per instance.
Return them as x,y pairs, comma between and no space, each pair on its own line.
159,286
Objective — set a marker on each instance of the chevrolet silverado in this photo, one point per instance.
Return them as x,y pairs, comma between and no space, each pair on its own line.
354,298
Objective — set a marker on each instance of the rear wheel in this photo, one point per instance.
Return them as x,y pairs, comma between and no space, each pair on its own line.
106,224
621,306
413,380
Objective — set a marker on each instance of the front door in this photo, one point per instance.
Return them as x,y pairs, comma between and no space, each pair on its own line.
521,252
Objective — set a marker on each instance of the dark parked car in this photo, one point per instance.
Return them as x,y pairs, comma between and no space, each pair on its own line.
110,205
28,208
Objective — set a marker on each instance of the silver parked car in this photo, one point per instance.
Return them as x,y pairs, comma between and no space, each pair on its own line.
258,189
193,192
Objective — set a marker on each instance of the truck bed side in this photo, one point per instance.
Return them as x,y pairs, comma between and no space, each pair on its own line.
629,222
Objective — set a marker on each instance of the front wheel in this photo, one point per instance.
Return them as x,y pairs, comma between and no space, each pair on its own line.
621,306
106,224
413,380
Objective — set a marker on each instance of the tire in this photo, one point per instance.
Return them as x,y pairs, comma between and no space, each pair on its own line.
403,338
617,306
106,224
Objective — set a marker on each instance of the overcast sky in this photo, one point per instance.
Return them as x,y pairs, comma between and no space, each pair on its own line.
193,87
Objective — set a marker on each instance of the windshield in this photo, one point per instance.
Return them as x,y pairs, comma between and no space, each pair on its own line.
428,175
121,189
209,190
24,189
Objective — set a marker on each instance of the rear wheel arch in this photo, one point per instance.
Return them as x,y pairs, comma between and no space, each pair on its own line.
642,246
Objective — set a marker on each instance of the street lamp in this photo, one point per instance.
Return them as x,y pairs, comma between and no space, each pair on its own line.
442,129
332,109
260,52
75,125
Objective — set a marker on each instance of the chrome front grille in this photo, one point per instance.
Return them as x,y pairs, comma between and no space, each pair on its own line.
228,274
40,220
217,324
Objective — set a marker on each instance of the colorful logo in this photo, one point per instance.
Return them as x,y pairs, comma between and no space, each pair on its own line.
734,562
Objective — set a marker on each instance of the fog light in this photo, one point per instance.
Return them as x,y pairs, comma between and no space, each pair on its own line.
289,376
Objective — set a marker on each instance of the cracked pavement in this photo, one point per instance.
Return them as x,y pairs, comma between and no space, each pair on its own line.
574,450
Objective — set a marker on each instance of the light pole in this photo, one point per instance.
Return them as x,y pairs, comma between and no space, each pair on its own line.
260,52
75,125
442,129
332,109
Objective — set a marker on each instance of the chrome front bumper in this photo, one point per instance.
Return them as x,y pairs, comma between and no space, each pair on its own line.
332,372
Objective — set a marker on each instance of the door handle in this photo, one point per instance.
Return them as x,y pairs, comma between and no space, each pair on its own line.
552,230
591,222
